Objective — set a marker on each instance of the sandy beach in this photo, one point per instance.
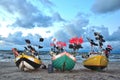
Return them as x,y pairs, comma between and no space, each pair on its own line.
9,71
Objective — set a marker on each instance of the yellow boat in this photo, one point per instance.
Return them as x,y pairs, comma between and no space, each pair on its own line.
26,62
96,62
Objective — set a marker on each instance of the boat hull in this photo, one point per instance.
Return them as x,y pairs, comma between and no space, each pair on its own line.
26,62
97,62
64,61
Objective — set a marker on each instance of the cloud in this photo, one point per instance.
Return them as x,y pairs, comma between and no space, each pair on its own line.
115,35
76,26
105,6
57,17
73,28
32,21
113,39
28,15
15,38
101,29
0,37
104,31
61,35
46,3
18,40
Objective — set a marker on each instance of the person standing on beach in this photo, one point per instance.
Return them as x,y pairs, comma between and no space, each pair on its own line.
15,51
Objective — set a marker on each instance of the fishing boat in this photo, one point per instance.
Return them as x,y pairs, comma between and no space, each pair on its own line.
61,59
64,61
25,61
97,60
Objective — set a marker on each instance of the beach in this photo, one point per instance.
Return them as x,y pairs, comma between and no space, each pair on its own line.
9,71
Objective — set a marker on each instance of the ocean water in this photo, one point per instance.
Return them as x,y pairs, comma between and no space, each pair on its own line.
8,56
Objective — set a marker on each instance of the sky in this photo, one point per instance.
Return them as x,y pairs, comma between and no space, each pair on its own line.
60,19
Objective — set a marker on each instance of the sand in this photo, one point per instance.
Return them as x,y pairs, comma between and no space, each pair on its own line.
9,71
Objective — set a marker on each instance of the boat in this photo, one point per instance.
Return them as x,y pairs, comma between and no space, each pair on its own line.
26,62
61,59
97,60
64,61
28,59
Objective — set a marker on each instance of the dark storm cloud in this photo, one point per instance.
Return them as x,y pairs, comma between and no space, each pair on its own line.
105,6
29,15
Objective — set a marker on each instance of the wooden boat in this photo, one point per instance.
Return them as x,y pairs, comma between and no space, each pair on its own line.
27,62
63,61
30,61
96,62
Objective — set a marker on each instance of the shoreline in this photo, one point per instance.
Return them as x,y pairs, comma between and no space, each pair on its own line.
9,71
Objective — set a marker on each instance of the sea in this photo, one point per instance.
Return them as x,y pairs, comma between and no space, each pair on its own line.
8,56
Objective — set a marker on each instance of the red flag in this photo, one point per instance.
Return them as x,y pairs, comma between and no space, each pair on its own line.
109,46
52,44
60,44
76,40
71,41
81,40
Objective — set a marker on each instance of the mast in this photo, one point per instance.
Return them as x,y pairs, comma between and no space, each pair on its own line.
30,48
100,40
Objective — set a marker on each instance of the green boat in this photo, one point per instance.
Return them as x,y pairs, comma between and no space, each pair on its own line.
63,61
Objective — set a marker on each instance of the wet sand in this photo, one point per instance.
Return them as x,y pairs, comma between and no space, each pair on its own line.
9,71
